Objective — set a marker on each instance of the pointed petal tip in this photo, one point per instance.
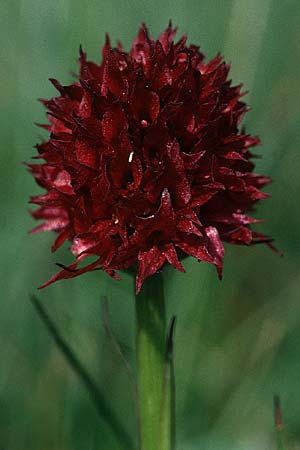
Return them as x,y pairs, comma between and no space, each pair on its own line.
170,26
144,29
42,125
82,54
42,286
138,286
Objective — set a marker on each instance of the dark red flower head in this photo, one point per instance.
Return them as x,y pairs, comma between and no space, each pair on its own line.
146,161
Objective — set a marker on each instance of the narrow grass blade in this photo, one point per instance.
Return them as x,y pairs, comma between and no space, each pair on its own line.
103,409
119,351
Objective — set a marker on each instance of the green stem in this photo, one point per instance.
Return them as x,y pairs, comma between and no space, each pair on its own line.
151,351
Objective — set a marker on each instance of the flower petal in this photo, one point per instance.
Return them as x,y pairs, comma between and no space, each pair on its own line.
149,262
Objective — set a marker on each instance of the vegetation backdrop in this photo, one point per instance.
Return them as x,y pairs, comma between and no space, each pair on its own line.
237,341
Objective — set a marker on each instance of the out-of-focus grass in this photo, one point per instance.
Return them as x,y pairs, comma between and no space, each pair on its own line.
237,342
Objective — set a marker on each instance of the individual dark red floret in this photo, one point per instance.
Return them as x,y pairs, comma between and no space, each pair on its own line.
146,161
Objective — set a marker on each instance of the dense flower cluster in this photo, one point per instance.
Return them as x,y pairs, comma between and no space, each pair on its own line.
146,162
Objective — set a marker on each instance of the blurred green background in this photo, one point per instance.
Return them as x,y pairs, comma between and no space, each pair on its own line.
237,341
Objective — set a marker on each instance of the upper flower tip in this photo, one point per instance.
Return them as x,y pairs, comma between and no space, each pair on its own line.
146,160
